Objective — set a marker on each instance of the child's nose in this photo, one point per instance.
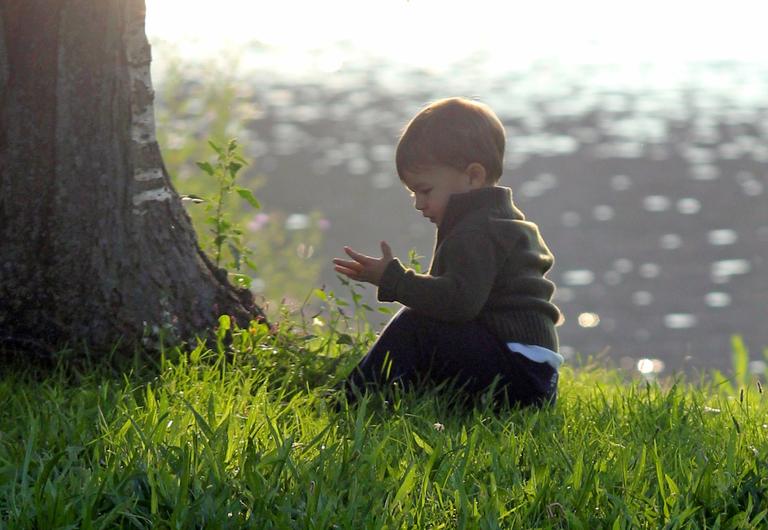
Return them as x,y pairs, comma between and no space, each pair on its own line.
418,203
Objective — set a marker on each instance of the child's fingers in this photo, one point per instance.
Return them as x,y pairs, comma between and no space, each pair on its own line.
347,264
361,258
386,251
349,273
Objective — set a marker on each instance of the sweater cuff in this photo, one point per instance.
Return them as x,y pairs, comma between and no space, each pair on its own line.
389,280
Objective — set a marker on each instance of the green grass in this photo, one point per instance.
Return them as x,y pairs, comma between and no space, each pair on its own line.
242,436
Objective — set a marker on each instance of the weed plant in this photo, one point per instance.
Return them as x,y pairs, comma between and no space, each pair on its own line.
241,433
225,233
261,248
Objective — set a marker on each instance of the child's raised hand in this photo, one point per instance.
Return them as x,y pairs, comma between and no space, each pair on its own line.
364,268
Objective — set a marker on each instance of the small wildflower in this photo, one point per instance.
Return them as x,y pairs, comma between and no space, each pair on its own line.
439,427
712,410
258,221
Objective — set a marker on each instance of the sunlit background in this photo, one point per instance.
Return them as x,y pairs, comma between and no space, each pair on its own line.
436,33
638,141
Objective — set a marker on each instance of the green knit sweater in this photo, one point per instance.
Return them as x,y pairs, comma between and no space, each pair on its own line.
489,263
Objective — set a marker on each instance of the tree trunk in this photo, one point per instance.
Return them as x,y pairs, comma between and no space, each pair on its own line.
95,245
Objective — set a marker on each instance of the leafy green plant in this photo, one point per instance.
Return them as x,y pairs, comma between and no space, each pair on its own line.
194,115
414,260
273,254
226,234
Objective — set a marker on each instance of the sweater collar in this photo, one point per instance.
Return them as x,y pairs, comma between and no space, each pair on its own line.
496,199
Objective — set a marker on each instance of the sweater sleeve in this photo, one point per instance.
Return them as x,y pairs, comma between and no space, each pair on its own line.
458,295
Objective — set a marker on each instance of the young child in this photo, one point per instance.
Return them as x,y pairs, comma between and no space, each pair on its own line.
483,314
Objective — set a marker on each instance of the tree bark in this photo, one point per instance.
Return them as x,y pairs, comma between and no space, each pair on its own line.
95,245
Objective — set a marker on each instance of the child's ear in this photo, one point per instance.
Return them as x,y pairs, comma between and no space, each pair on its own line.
477,175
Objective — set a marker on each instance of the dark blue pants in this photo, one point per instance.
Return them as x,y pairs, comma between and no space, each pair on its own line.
416,351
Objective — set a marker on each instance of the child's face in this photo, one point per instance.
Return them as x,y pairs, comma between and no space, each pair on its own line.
432,187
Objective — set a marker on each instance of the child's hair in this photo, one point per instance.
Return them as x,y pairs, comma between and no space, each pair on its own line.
454,132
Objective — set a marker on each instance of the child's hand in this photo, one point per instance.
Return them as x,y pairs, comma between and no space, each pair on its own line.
364,268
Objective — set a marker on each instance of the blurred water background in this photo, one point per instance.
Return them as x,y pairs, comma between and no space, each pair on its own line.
637,141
